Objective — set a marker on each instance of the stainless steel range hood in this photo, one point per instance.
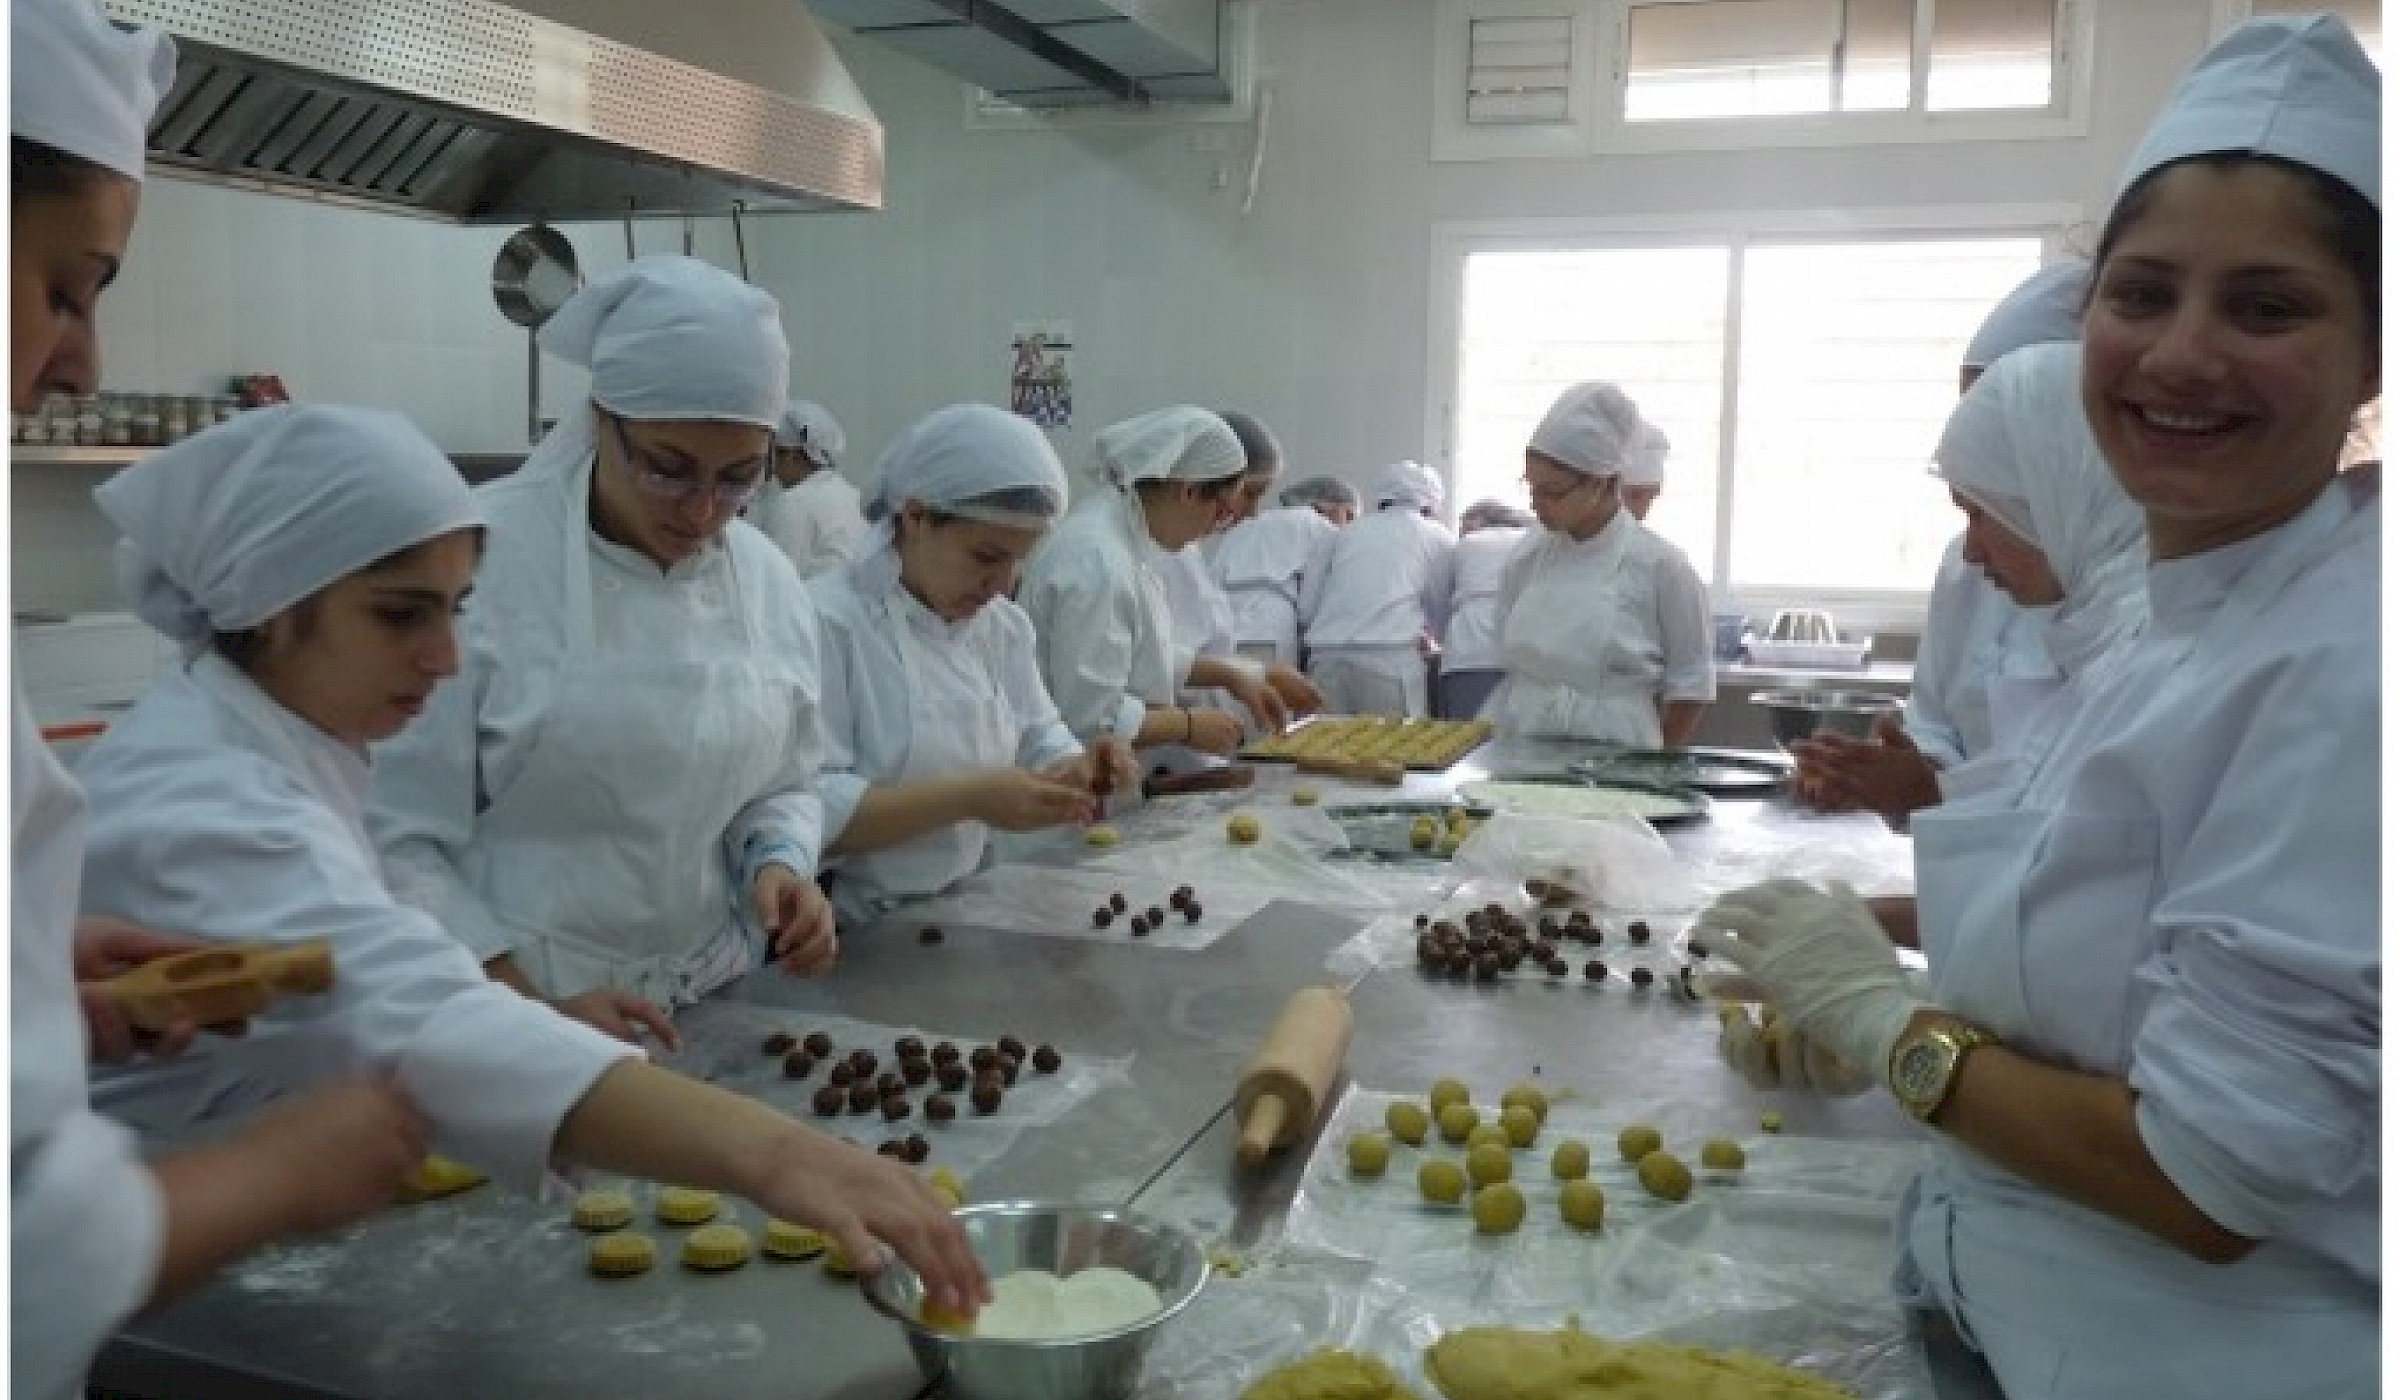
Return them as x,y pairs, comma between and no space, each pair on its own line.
1058,53
474,112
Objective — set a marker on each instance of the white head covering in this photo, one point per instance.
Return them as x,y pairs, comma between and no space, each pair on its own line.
811,428
1183,443
2018,445
1589,429
1408,484
2046,307
1312,490
2298,87
79,84
666,338
956,459
1647,466
229,527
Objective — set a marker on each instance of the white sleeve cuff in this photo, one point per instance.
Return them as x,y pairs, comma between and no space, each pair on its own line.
498,1073
86,1239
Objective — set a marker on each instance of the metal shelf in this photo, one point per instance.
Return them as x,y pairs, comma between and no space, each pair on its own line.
26,454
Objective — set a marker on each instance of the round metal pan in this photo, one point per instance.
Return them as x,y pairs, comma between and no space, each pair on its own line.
1716,772
1688,806
533,274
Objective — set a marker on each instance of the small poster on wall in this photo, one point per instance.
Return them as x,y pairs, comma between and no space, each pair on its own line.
1041,372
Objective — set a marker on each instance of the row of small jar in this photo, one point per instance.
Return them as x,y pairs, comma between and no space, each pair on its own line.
122,420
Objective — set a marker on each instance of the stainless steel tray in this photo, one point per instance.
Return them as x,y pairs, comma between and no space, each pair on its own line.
1716,772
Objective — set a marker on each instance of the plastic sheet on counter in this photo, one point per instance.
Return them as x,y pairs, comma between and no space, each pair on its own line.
1059,901
1611,863
1751,842
1287,862
721,1042
1389,942
1788,1258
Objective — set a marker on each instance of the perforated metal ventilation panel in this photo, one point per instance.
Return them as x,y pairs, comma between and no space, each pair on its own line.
472,111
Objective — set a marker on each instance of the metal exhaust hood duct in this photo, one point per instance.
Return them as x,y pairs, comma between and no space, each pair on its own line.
473,112
1058,53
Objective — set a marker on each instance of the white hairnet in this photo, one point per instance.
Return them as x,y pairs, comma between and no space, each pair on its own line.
811,427
227,528
79,84
1259,447
2046,307
1493,514
2299,88
969,459
1647,465
1590,429
666,338
1183,443
1411,485
2017,444
1316,490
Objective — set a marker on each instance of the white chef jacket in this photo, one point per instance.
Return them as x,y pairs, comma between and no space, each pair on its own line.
909,695
1974,634
2185,895
217,812
1596,633
817,524
1262,564
1106,644
1473,641
1386,582
621,753
1200,614
87,1221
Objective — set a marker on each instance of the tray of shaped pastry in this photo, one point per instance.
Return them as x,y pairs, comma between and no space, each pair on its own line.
1714,772
1408,831
1422,745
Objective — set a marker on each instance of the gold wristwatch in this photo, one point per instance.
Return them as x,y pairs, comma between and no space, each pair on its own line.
1925,1064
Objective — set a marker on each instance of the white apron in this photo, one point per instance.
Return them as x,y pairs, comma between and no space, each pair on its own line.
2067,1303
1371,680
1570,674
603,854
958,721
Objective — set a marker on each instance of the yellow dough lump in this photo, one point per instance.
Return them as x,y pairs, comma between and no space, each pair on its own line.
1491,1134
1770,1122
716,1247
1442,1183
603,1210
1242,829
1521,1125
1100,834
1421,833
1581,1204
945,1184
1665,1176
1723,1155
788,1241
1527,1096
1489,1163
1499,1209
837,1261
1446,1092
681,1205
1638,1141
1304,797
1572,1161
1407,1122
436,1177
1457,1121
622,1255
1370,1153
1507,1363
1329,1375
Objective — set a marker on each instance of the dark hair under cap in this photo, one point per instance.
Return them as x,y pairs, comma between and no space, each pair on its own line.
1259,448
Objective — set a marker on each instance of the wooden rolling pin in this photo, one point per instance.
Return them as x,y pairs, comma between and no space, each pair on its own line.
1382,772
1292,1075
213,986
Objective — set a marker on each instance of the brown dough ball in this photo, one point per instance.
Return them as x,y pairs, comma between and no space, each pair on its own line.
779,1043
908,1047
941,1108
1499,1209
1457,1121
915,1150
945,1054
1407,1122
818,1044
987,1098
1370,1153
1012,1047
829,1100
863,1097
1638,1141
916,1072
1046,1059
1489,1163
1665,1176
983,1058
862,1062
1723,1155
1581,1204
798,1065
896,1108
1446,1092
841,1075
1572,1161
1521,1124
1442,1183
952,1076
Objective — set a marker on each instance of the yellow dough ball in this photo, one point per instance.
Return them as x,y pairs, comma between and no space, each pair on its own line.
1665,1176
1448,845
1526,1096
1723,1155
1407,1122
1572,1161
1489,1163
1458,820
436,1177
1457,1121
1421,833
603,1210
716,1247
942,1319
622,1255
681,1205
1304,797
945,1184
1242,829
1638,1141
1442,1183
1581,1204
1100,834
1488,1134
1521,1124
1446,1092
1499,1209
1770,1122
1370,1153
788,1241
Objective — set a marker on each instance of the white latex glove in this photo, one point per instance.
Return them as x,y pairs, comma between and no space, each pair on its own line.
1823,960
1771,1054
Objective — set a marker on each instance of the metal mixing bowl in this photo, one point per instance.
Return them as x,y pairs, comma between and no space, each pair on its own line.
1794,715
1013,1235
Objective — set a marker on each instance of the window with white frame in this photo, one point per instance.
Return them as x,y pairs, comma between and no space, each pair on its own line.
2365,17
1600,75
1803,383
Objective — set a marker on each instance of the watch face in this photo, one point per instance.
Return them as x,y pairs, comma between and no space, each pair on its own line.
1917,1074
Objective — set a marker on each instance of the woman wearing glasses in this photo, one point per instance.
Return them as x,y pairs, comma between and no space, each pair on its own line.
614,805
1605,631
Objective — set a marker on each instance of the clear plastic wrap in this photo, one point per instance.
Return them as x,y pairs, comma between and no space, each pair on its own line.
1746,843
1612,863
1060,900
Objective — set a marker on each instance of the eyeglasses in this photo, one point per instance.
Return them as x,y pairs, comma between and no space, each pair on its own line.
1549,495
658,481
